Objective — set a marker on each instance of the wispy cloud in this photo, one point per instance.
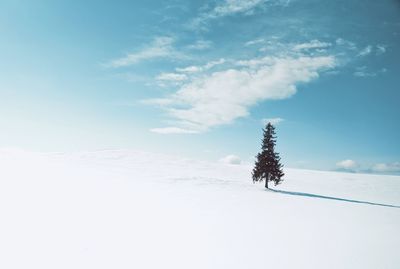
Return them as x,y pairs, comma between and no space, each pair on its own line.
313,44
172,130
273,121
362,52
275,46
362,71
380,49
171,77
229,7
223,96
201,68
232,7
346,43
366,51
201,45
160,47
254,42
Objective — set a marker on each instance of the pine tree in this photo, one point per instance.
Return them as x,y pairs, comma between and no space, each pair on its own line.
268,166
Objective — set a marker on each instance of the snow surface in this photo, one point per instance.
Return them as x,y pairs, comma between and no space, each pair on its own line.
125,209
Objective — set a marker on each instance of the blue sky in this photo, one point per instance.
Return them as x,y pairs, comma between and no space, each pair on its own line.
199,78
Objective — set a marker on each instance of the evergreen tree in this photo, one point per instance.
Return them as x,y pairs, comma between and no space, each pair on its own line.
268,166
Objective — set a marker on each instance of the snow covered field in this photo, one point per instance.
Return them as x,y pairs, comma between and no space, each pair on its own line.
124,209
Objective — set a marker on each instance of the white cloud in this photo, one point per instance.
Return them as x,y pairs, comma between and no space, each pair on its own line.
231,159
377,49
254,42
347,165
386,167
211,64
172,130
229,7
255,63
366,51
189,69
171,77
201,45
353,166
232,7
345,43
313,44
362,71
380,49
273,121
161,47
221,97
364,74
201,68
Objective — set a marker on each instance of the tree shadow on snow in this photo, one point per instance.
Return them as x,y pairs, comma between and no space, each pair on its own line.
331,198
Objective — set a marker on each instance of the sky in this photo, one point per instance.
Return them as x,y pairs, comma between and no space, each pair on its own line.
201,78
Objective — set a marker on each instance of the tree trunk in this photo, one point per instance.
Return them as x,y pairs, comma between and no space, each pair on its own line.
267,179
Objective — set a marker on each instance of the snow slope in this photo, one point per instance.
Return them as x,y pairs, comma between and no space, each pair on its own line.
125,209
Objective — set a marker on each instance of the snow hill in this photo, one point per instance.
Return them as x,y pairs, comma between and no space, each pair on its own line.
125,209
